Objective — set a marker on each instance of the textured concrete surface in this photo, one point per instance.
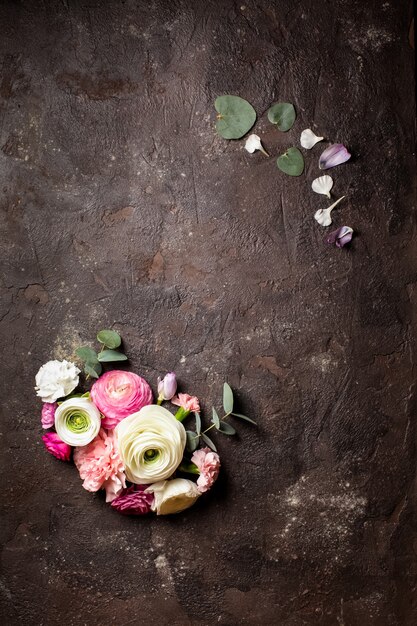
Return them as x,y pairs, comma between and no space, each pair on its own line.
122,207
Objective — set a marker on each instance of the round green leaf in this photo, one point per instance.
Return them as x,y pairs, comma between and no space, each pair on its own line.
87,354
235,116
108,356
283,115
292,162
93,370
110,338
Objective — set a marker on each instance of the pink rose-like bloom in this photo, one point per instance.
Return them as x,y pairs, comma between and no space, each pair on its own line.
48,414
56,446
100,465
208,463
134,501
118,394
189,403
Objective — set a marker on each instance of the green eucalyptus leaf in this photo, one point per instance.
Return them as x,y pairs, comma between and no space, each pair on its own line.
283,115
110,338
244,417
292,162
215,419
192,440
197,423
108,356
93,370
209,442
235,116
227,398
87,354
227,429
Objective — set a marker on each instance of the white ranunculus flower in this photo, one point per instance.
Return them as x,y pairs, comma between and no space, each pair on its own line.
151,444
56,379
77,421
173,496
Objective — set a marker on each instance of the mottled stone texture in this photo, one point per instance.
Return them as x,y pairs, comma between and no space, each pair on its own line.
123,208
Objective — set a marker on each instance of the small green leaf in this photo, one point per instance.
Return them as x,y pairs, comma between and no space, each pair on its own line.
192,440
227,398
244,417
197,423
209,442
215,419
235,116
108,356
227,429
110,338
86,395
87,354
283,115
292,162
92,370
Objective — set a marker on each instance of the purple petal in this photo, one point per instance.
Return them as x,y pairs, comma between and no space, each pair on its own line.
341,236
334,155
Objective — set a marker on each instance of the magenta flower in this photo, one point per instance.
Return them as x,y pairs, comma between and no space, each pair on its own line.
167,387
100,465
341,236
56,446
334,155
208,463
48,414
118,394
134,501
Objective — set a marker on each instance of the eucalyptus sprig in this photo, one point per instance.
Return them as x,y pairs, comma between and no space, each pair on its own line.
217,422
110,340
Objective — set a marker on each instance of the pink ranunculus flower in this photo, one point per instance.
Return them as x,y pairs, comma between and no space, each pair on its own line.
189,403
208,463
48,414
134,501
56,446
100,465
118,394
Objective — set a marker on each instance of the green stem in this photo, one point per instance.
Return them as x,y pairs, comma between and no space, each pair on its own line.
212,426
181,414
159,401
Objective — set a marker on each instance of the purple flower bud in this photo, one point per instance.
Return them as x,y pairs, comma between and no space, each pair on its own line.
167,387
341,236
334,155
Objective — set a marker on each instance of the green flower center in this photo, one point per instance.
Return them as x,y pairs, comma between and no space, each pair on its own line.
77,422
151,455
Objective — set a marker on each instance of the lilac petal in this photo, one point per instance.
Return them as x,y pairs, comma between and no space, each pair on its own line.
334,155
341,236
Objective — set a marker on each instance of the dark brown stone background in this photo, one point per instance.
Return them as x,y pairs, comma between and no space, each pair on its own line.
123,208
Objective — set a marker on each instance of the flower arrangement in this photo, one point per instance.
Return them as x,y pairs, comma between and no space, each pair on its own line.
121,441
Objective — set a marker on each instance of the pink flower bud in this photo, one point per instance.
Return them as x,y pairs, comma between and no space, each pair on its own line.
208,463
48,414
56,446
167,387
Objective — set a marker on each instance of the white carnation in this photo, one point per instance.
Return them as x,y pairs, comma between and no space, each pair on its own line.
56,379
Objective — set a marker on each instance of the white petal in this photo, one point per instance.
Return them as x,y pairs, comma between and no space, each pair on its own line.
253,142
322,184
308,139
323,217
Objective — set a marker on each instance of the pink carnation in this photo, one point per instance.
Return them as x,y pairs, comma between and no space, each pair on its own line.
56,446
48,414
118,394
208,463
189,403
100,465
134,501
